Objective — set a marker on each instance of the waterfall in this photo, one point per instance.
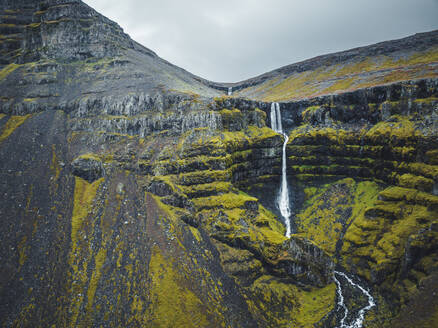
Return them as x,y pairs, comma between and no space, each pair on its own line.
284,206
357,322
283,198
230,91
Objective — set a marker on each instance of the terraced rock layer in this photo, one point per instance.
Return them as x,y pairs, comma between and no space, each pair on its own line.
370,185
132,211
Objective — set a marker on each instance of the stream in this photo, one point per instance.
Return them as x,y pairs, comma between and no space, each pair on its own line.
349,318
346,320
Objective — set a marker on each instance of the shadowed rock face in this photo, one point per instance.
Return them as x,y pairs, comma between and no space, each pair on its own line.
88,168
131,197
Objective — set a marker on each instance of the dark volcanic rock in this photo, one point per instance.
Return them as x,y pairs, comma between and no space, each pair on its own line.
88,167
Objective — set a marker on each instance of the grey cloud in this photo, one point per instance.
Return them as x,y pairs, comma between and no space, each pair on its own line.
234,40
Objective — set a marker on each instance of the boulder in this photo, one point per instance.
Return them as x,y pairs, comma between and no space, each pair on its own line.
88,167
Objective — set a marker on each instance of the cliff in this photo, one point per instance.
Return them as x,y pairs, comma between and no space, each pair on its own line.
136,194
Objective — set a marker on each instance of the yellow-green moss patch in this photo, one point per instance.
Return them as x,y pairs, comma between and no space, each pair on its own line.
331,208
314,305
173,303
84,196
8,70
13,123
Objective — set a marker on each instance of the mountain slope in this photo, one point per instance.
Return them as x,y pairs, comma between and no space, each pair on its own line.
134,196
414,57
59,52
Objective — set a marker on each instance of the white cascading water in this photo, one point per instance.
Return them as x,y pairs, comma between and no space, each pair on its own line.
283,204
283,198
230,91
357,322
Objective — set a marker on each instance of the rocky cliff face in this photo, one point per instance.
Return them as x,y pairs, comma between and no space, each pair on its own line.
369,182
63,54
134,195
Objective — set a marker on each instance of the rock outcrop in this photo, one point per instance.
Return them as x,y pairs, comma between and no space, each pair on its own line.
87,167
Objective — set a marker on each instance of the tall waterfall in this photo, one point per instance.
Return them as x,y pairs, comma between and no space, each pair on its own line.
230,91
283,198
349,318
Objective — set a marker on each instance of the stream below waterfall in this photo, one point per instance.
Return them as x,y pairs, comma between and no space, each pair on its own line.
348,318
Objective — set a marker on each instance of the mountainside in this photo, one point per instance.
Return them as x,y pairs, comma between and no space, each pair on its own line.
411,58
65,54
135,194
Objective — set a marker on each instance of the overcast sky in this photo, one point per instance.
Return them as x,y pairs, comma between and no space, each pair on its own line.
229,41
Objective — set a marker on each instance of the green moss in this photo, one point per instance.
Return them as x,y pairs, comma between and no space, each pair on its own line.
398,194
333,78
168,181
34,25
428,171
13,123
54,165
432,156
90,156
226,113
57,21
22,249
84,196
203,177
196,233
190,164
426,101
306,114
95,277
227,201
272,301
207,188
331,208
280,304
416,182
220,143
343,85
398,127
379,237
310,192
29,99
314,305
173,304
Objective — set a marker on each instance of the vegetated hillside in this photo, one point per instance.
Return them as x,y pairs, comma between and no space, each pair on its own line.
131,197
365,165
414,57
